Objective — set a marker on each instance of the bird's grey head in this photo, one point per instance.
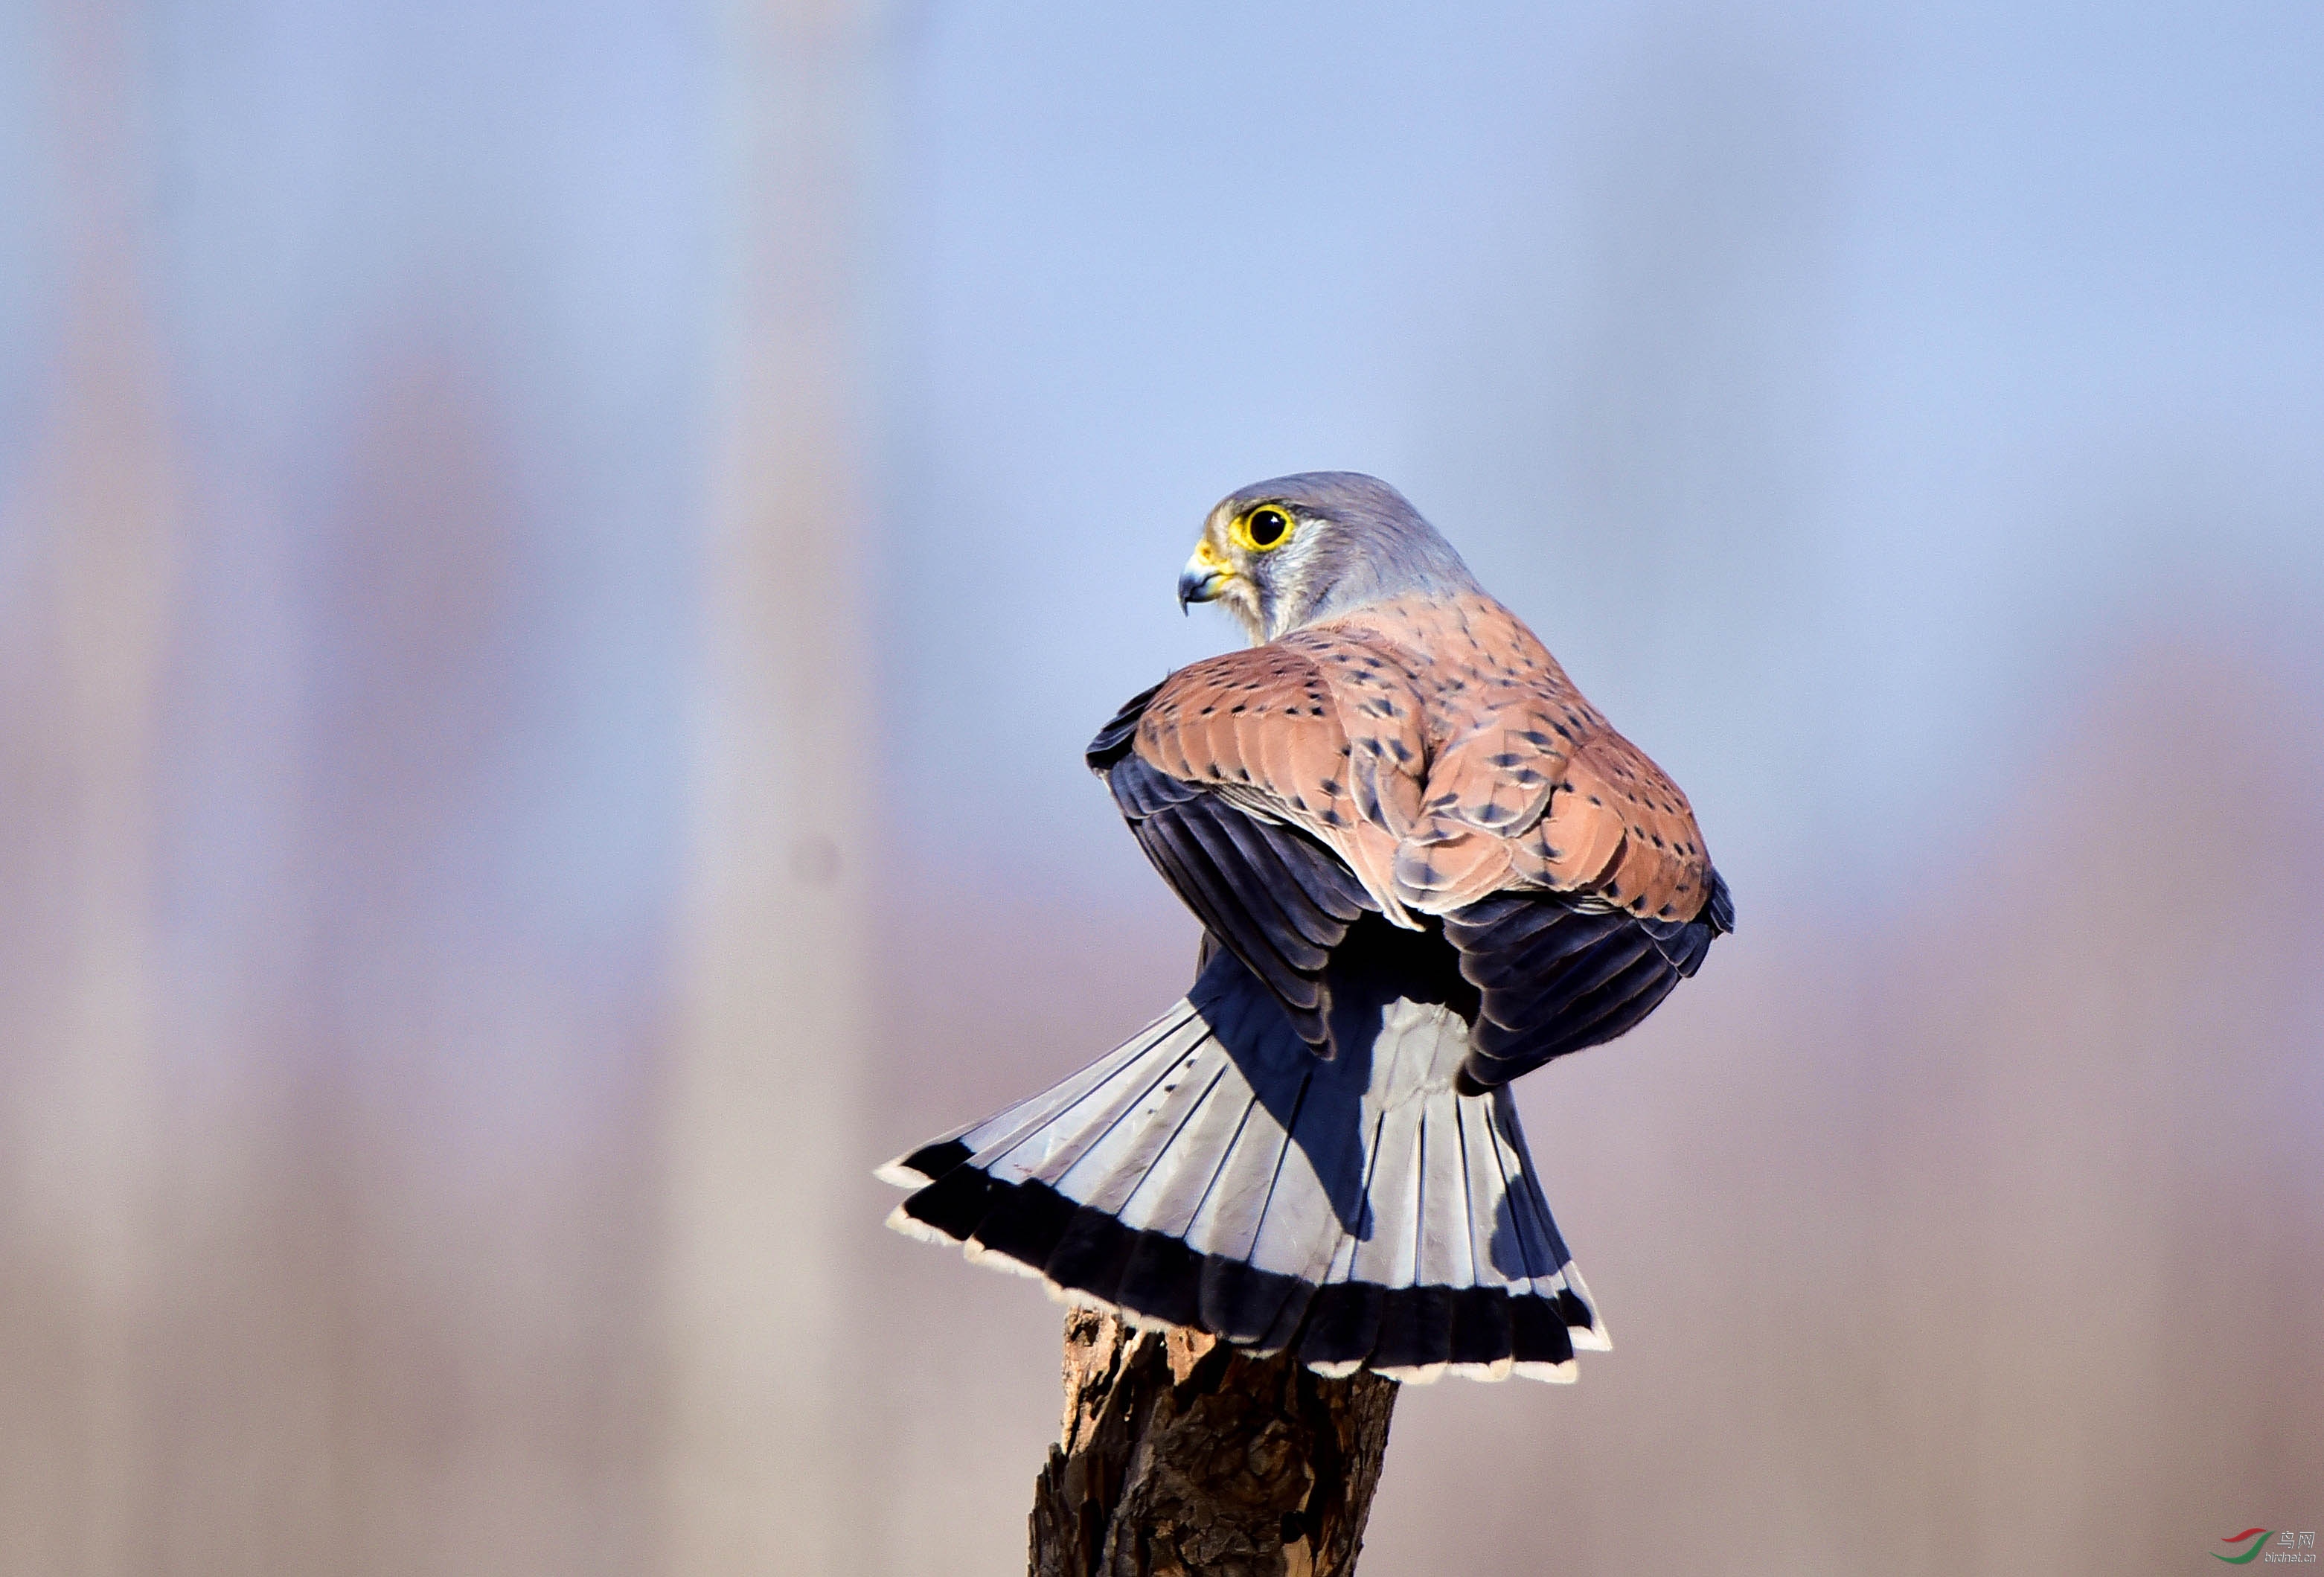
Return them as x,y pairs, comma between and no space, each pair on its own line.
1298,551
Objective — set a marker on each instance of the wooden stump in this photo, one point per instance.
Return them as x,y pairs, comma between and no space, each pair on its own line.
1182,1457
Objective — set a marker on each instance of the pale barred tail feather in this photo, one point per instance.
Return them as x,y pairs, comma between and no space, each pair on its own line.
1214,1172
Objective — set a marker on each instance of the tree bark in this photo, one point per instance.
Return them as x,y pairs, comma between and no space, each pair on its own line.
1181,1456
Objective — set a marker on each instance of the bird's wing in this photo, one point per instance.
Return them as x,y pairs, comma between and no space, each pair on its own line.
1556,976
1271,799
1567,867
1526,786
1530,794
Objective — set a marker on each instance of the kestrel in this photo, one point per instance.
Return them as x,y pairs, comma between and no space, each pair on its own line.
1424,865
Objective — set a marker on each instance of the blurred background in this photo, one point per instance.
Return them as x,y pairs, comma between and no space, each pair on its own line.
556,562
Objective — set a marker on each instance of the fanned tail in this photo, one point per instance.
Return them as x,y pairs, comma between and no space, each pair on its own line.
1213,1172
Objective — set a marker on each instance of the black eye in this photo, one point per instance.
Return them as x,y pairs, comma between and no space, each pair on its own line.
1268,526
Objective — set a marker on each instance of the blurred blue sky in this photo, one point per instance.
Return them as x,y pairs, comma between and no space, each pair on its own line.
1838,390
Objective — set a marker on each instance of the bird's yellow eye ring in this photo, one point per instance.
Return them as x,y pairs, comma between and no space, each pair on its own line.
1265,528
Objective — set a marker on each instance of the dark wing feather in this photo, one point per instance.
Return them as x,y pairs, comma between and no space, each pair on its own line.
1114,741
1171,841
1556,977
1274,896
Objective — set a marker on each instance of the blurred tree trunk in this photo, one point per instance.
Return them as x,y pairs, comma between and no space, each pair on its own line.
87,532
759,1154
1182,1455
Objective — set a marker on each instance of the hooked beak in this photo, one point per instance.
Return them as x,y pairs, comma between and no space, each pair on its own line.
1204,578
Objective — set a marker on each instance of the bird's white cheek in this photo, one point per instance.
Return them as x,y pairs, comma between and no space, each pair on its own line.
1250,610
